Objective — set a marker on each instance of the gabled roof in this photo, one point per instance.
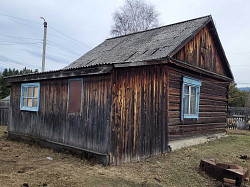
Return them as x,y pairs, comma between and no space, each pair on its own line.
147,45
143,47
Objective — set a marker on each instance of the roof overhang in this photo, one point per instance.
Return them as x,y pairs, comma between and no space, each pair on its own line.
59,74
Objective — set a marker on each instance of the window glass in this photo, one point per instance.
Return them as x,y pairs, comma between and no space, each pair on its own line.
186,89
193,90
193,104
30,91
30,102
25,102
34,102
186,104
35,91
25,92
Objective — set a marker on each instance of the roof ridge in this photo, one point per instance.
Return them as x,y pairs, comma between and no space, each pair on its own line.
159,27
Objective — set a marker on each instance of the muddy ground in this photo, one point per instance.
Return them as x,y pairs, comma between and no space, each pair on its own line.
25,165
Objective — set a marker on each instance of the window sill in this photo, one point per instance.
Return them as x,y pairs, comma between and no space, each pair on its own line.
191,116
32,109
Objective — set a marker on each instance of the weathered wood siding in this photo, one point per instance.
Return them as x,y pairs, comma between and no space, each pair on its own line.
4,112
201,52
212,106
139,113
89,130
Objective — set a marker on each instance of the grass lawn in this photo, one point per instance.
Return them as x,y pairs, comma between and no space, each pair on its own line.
21,163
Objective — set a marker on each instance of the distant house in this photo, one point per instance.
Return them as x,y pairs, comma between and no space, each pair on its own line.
4,110
127,98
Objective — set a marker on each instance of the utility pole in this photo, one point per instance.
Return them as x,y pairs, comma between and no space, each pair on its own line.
44,43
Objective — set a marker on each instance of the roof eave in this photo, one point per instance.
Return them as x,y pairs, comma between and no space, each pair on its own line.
69,73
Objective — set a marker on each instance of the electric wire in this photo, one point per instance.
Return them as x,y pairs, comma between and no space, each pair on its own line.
11,64
18,43
18,37
64,48
68,36
17,62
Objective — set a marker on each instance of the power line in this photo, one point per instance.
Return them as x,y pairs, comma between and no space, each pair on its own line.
17,43
17,62
17,37
18,18
51,50
12,64
64,48
68,36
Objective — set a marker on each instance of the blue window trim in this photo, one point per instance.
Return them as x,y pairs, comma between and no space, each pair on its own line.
27,85
74,79
191,82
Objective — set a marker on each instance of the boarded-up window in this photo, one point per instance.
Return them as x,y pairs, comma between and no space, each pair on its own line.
75,96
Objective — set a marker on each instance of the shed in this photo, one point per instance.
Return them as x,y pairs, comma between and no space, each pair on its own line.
4,110
130,96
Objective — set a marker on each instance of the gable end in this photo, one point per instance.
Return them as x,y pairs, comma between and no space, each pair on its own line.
205,51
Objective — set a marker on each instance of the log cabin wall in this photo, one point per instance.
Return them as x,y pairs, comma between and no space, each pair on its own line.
89,130
139,113
212,106
201,52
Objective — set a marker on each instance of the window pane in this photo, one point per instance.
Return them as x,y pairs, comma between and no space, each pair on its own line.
186,104
186,89
24,102
35,91
24,91
30,91
30,102
193,104
34,102
193,90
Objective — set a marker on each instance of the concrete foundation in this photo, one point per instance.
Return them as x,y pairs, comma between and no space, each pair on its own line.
178,144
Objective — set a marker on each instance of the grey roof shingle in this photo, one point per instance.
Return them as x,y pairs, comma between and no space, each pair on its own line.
141,46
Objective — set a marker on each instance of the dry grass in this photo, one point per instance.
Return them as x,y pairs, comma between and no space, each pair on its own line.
21,163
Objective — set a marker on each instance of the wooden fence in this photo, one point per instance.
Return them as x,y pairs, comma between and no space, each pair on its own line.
4,111
237,114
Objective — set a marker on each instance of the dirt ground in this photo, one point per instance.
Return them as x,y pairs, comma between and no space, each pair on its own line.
25,165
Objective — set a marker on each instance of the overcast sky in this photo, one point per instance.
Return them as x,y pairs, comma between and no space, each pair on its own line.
76,26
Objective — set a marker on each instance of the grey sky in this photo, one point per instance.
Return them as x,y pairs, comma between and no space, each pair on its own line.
89,23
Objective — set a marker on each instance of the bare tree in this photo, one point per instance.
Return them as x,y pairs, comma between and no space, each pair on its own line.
134,16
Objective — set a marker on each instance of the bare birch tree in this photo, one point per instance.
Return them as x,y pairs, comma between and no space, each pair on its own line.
134,16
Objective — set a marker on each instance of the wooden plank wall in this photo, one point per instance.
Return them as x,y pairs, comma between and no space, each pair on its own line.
201,52
139,113
212,107
4,112
88,130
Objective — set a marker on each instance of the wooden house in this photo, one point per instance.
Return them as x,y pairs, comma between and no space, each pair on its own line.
127,98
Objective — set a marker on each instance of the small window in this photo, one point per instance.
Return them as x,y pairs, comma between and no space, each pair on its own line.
75,95
30,96
190,98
